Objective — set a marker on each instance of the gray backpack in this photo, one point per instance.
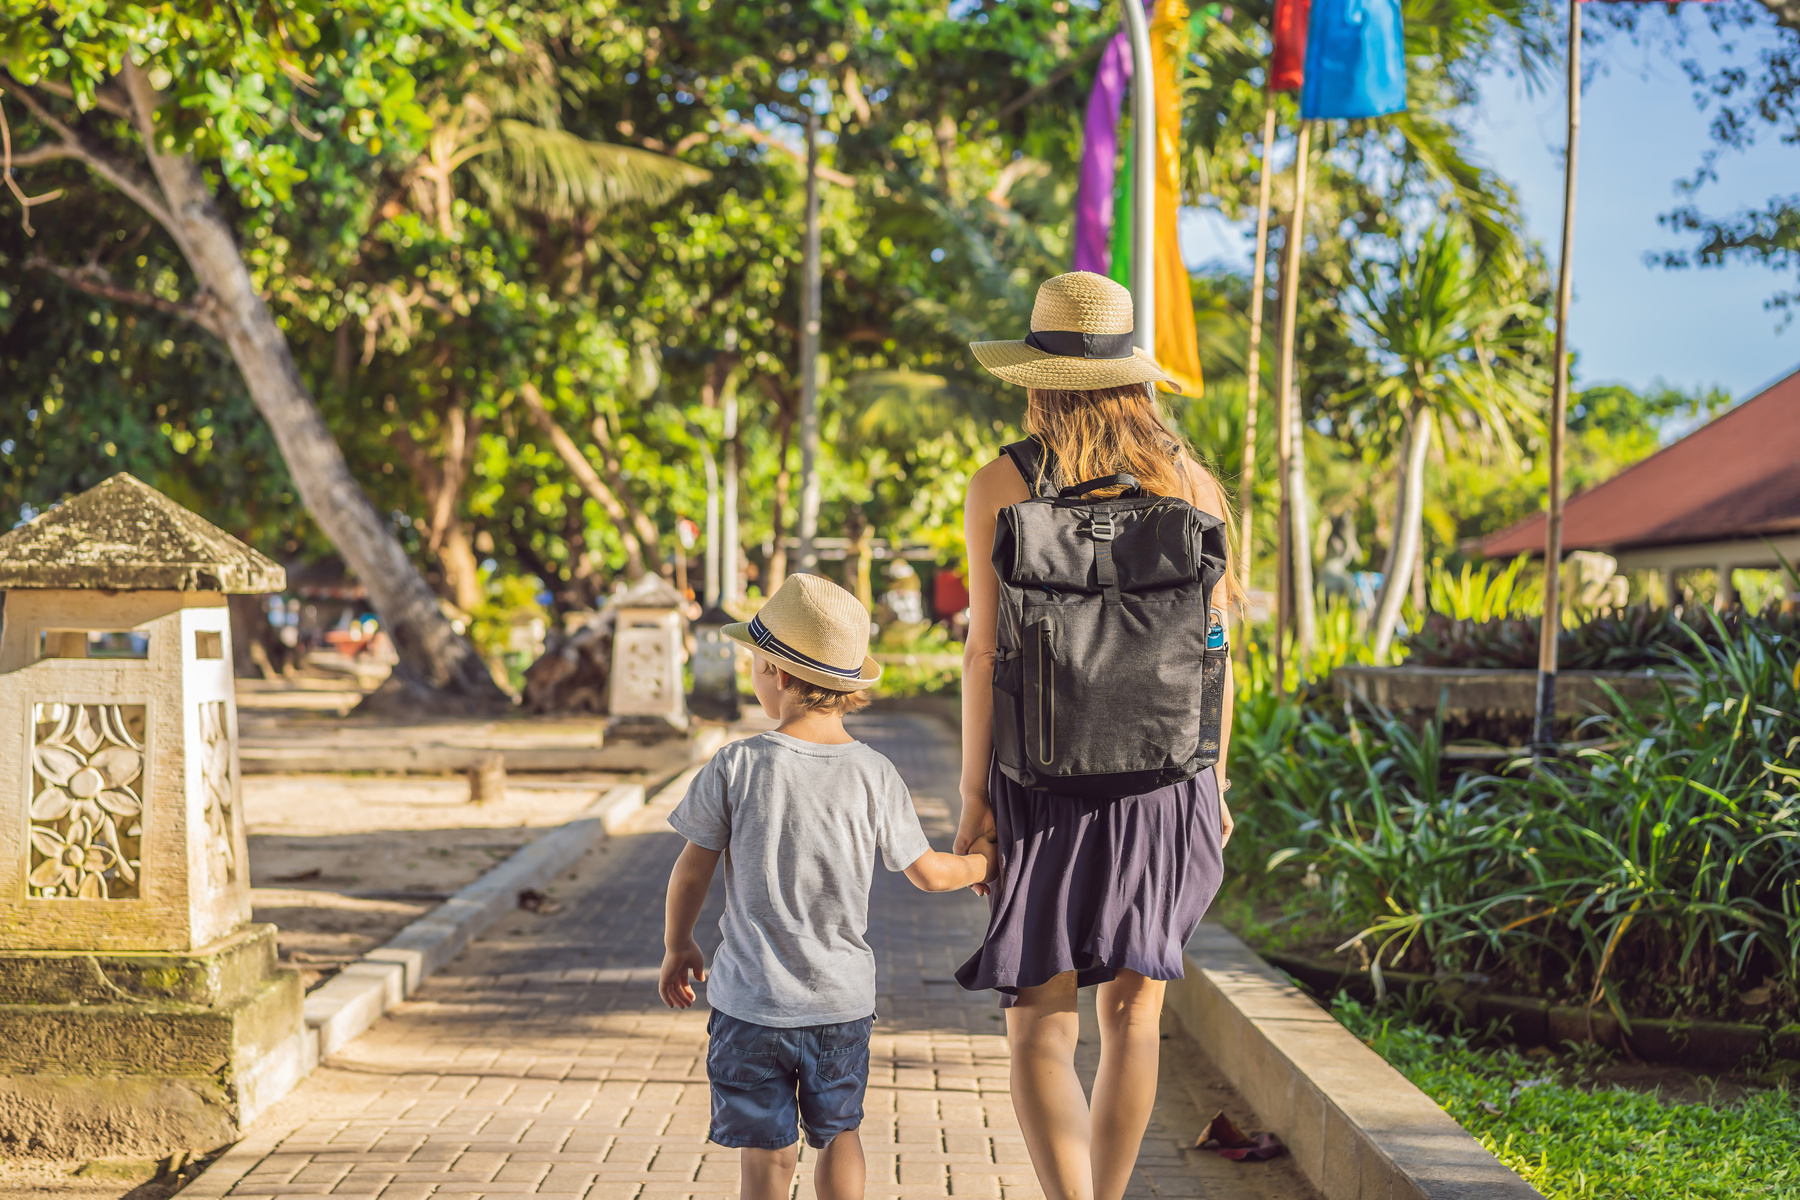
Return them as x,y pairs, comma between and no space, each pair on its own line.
1109,677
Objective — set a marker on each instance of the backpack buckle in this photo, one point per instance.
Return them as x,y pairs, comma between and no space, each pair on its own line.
1101,527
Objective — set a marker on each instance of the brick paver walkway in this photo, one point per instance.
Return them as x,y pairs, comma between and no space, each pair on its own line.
542,1063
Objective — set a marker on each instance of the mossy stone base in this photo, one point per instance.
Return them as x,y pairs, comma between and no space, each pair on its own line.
145,1054
218,973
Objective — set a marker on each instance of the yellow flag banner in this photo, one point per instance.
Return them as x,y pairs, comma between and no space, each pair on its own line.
1177,344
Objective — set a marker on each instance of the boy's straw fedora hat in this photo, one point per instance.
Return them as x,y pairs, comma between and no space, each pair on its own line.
816,631
1080,340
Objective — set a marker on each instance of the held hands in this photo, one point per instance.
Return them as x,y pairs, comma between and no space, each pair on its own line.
977,825
673,984
988,847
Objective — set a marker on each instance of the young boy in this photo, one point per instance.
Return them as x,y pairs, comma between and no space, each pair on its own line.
798,815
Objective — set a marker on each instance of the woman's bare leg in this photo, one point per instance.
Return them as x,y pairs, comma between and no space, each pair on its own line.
1130,1010
1041,1030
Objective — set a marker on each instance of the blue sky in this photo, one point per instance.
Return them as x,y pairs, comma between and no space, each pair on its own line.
1641,132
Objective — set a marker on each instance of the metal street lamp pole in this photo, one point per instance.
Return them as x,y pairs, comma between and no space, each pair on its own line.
809,358
1143,182
1543,734
729,588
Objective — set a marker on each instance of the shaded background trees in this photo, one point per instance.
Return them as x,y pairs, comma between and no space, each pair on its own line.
520,276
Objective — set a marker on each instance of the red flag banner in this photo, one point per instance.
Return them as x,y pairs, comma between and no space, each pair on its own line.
1287,66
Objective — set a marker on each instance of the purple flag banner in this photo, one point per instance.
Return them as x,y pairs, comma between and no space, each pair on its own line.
1099,154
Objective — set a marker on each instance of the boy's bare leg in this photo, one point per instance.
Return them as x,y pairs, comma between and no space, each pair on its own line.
841,1172
767,1174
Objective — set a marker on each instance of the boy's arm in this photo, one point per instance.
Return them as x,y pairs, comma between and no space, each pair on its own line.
935,871
687,892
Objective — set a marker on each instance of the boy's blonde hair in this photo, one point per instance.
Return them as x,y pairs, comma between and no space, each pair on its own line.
815,698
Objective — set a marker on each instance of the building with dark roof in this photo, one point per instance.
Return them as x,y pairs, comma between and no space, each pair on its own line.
1723,497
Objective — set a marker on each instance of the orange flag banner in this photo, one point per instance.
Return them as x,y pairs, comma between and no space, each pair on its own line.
1177,343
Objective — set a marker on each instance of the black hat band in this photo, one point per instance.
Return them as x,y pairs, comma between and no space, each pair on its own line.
1072,343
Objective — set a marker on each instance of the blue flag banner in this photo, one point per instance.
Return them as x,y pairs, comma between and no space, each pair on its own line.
1355,60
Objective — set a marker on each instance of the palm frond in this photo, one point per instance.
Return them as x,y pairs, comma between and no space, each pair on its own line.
558,174
904,406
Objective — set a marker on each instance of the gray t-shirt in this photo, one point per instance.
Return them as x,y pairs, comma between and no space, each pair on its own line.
799,824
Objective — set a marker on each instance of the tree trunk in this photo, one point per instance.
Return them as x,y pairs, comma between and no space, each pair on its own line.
587,477
778,519
1408,532
462,573
440,480
1390,559
648,537
428,646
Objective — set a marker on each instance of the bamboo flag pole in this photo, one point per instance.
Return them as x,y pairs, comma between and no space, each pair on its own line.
1253,365
1544,732
1284,399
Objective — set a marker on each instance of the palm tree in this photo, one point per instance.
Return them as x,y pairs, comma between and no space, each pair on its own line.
1449,339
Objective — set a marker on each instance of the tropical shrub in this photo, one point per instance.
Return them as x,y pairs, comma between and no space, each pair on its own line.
1626,639
1656,872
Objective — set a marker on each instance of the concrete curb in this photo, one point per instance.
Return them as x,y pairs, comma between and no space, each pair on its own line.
1358,1128
359,994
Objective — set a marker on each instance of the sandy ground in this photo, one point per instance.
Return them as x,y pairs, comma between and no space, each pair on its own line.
342,863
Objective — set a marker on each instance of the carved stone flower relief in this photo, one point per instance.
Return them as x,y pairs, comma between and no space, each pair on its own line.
215,783
87,808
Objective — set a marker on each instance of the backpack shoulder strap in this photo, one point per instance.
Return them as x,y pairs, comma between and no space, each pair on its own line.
1037,466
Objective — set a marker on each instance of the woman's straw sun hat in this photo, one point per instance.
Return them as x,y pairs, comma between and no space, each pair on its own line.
1080,340
816,631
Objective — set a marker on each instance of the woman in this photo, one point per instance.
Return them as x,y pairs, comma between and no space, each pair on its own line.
1132,877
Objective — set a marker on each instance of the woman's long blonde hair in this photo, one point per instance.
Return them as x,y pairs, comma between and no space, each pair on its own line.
1123,430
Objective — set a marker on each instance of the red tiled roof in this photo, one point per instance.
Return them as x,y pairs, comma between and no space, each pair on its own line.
1738,476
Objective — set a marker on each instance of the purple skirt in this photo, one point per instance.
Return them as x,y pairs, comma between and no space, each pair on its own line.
1096,886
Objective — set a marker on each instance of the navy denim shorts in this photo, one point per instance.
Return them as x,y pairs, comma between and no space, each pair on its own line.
765,1080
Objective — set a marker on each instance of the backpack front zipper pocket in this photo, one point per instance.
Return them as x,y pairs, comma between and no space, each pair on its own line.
1046,692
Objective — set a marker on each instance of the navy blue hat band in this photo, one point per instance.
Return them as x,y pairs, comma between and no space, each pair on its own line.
765,640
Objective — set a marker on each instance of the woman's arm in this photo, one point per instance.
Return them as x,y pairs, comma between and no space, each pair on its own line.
990,489
1209,498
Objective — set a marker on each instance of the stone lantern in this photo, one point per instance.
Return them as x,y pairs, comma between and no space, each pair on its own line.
647,653
140,1011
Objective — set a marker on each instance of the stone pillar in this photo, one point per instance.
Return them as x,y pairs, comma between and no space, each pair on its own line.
141,1013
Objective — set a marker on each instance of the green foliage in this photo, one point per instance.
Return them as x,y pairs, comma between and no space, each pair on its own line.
234,74
1658,872
1483,592
1627,639
928,663
604,201
1575,1139
1452,333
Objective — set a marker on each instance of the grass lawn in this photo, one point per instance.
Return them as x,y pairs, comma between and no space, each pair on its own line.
1573,1140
